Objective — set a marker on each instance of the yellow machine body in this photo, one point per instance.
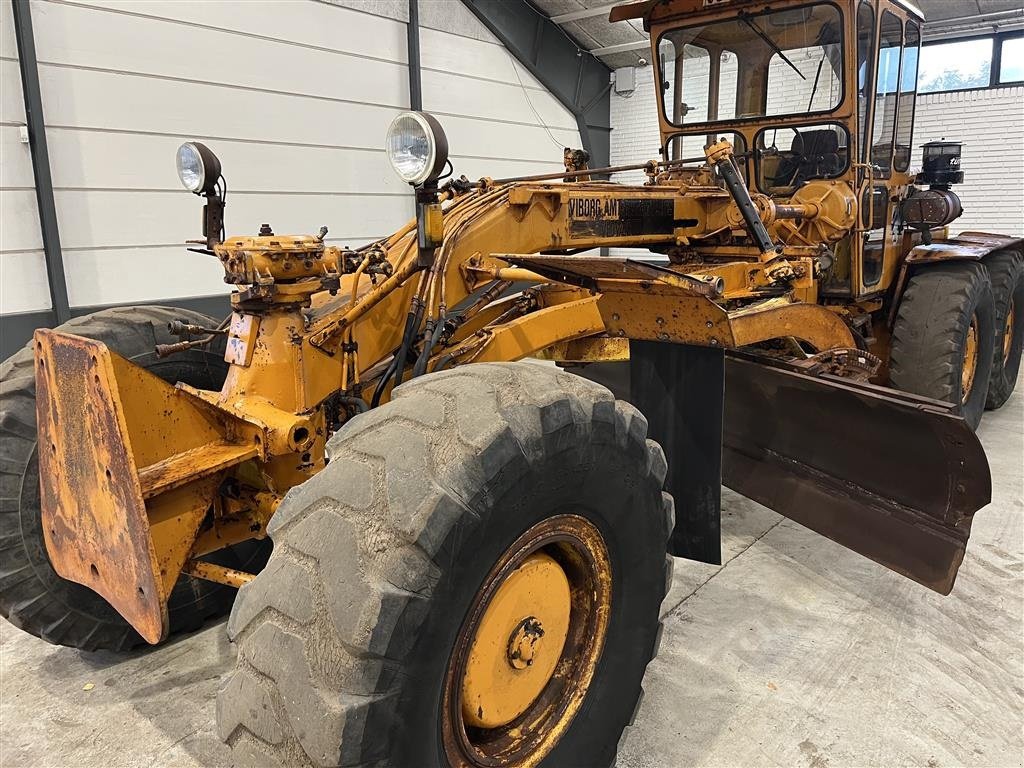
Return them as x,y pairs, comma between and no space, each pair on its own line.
133,469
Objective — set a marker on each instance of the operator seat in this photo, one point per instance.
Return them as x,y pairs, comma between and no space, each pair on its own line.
817,154
812,154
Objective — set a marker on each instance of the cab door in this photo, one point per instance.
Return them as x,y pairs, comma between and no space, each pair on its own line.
886,118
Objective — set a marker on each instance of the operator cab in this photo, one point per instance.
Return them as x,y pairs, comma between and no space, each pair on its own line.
804,91
790,64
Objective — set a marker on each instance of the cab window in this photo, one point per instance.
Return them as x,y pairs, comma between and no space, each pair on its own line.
887,83
789,61
908,88
789,157
690,148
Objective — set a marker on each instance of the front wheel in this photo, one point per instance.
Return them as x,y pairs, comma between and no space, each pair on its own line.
473,580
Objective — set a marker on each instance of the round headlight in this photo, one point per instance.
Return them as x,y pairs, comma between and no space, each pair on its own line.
198,167
417,147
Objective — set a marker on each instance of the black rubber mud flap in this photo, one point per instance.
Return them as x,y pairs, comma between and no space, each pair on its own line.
681,391
890,475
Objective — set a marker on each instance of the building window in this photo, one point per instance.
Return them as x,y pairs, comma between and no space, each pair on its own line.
955,66
1011,60
971,63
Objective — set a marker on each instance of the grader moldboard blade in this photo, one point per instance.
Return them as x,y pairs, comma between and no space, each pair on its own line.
892,476
887,474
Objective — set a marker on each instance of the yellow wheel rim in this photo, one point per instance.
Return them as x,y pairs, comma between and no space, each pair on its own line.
528,649
1008,331
517,644
970,362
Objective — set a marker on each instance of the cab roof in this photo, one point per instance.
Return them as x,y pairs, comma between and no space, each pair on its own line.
657,10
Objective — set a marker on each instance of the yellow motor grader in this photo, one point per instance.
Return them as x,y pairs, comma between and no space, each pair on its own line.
469,548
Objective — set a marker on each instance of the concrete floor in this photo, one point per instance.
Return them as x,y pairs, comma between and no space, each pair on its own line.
794,653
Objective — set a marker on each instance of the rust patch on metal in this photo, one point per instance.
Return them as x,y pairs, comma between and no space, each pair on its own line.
93,514
129,468
218,573
900,484
967,246
812,323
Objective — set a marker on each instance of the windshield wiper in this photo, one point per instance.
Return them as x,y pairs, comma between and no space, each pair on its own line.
771,43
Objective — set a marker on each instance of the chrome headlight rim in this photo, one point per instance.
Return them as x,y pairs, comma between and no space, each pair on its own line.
437,143
203,181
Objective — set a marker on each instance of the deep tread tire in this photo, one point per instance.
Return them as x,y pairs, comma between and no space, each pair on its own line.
931,330
32,596
344,639
1006,271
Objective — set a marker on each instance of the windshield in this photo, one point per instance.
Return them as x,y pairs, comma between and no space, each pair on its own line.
790,63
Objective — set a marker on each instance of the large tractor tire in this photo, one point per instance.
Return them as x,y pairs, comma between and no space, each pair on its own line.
32,596
1006,271
474,579
944,337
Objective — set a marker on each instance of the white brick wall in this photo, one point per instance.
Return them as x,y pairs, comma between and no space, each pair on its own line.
990,123
634,121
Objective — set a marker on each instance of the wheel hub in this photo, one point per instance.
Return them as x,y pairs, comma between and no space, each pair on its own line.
970,362
1008,332
517,644
528,649
523,644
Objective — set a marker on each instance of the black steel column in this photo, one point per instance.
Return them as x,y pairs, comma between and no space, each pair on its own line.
40,160
415,75
681,391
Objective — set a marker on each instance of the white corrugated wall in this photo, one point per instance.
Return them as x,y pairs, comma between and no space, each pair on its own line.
23,286
294,96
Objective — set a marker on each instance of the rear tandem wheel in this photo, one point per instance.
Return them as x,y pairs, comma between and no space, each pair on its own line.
1006,270
473,580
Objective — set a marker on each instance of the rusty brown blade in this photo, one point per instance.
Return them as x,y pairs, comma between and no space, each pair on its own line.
892,476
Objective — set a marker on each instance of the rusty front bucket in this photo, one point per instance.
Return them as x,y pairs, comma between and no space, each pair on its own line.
122,488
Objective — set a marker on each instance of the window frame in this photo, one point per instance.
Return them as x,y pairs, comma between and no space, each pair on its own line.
999,40
754,152
843,43
995,60
864,118
741,153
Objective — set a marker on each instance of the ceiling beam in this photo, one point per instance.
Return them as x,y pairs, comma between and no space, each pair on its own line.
621,48
579,80
584,13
